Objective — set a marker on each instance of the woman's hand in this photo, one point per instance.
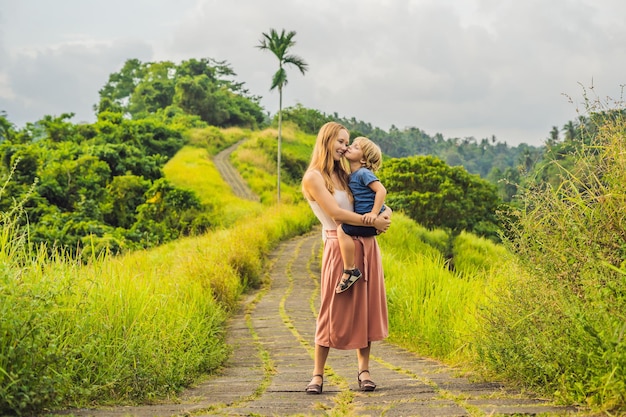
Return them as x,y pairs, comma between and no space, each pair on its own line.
383,221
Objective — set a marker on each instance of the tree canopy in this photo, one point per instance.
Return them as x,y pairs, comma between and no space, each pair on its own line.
437,195
94,187
202,87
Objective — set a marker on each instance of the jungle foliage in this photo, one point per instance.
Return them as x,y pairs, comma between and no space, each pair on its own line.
202,87
439,196
561,327
100,186
491,159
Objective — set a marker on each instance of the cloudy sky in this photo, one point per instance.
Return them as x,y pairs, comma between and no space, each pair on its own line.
508,68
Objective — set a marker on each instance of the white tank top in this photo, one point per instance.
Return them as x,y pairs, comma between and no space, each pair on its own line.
343,200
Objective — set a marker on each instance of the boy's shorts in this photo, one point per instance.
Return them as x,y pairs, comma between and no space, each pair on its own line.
364,231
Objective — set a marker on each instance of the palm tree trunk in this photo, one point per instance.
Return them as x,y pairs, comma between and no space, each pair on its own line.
280,123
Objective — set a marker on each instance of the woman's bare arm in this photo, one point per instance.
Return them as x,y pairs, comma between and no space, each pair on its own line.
315,189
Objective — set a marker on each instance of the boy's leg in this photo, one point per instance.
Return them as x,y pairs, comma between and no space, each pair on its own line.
350,273
346,247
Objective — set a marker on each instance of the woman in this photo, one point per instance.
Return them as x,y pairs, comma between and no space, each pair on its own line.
350,320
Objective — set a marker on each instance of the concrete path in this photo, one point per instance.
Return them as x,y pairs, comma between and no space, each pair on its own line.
231,175
271,363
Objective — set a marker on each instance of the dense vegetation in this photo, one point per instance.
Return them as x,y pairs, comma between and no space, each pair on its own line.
571,240
203,88
440,196
100,186
503,165
489,158
545,310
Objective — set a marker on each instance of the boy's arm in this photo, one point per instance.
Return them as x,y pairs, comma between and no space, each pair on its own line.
379,200
381,194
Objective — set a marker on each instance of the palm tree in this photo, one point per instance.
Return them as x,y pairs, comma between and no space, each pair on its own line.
554,136
5,127
279,45
571,133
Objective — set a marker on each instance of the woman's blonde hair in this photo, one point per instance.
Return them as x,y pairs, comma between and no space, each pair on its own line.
322,157
372,154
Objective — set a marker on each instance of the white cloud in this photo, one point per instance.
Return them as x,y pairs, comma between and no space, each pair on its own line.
6,93
63,78
458,67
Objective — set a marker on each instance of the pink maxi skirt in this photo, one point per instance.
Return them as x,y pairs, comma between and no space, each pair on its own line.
354,318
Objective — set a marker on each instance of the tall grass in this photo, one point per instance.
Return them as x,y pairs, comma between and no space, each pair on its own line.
432,309
24,338
560,326
478,257
214,139
548,309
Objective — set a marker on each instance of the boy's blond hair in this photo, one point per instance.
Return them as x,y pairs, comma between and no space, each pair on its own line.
372,154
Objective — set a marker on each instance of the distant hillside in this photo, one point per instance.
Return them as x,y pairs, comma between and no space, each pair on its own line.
490,159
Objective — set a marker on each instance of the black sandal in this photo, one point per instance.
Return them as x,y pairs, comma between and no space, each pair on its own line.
315,388
366,384
345,284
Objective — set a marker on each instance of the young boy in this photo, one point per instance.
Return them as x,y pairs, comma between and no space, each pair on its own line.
365,158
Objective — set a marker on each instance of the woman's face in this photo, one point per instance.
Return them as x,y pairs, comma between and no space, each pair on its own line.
339,146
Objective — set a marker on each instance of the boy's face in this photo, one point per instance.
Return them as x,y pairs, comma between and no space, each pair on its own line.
354,152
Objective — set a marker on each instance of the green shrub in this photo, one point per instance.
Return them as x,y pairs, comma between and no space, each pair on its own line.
210,138
436,195
30,353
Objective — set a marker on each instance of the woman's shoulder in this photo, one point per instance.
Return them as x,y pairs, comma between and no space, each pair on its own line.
312,175
311,181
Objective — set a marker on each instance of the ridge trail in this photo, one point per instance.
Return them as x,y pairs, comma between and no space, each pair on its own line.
231,176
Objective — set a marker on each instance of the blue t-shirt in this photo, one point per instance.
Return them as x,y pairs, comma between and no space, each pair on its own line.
363,194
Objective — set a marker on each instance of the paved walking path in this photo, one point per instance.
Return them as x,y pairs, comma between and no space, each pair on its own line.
231,175
271,363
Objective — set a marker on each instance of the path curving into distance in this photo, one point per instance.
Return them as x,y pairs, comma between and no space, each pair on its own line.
231,175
